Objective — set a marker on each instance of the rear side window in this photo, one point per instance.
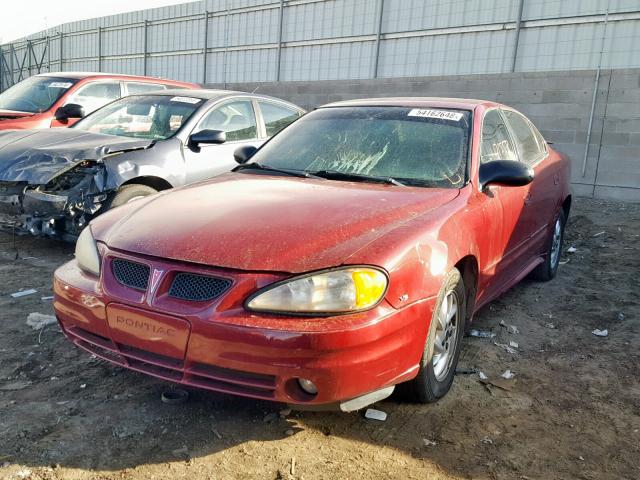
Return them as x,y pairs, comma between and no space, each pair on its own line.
236,119
137,88
276,117
529,148
96,95
496,142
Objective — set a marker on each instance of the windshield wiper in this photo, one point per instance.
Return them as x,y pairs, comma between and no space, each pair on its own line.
266,168
356,177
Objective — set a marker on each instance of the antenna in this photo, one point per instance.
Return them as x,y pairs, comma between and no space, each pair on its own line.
256,89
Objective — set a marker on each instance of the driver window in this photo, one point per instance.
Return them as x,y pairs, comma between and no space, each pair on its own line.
236,119
96,95
496,143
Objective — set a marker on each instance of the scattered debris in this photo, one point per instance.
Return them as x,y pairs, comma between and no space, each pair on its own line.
466,371
599,233
563,262
44,299
24,293
581,458
600,333
23,473
285,412
374,414
620,316
487,441
83,386
482,376
501,383
270,417
481,334
429,443
293,465
174,396
216,433
550,325
513,329
39,320
508,374
572,250
289,432
505,347
513,344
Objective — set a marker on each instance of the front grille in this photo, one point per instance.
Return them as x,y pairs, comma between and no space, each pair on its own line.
131,274
198,288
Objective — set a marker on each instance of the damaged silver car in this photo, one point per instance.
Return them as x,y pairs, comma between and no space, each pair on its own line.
52,182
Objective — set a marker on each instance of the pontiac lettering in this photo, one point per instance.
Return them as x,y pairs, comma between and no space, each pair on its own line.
146,326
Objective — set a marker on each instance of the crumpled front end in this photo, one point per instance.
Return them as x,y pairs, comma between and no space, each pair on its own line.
61,207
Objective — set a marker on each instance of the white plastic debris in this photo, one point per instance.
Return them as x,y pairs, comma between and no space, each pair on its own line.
50,297
487,441
620,316
505,347
600,333
599,233
482,376
429,443
482,334
39,320
513,329
513,344
374,414
83,386
572,249
549,325
508,374
23,293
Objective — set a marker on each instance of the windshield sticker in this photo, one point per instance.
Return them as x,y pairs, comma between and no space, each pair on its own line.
60,84
190,100
441,114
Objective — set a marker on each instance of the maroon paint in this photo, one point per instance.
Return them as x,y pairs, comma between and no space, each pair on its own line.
255,230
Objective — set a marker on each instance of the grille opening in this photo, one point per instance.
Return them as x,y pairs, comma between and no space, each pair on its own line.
131,274
198,288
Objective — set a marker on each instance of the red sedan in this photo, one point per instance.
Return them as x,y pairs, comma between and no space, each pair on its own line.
344,257
61,99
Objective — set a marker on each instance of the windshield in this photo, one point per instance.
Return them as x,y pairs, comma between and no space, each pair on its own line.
35,94
153,117
422,147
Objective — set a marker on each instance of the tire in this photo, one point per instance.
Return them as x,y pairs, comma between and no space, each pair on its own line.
126,194
434,379
549,268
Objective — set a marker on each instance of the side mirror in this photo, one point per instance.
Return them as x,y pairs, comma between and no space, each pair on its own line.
243,154
207,137
70,110
505,172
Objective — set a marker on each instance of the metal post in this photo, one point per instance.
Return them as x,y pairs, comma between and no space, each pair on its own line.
61,56
279,54
28,52
48,53
11,66
1,69
146,39
205,48
226,44
595,95
376,58
99,49
516,41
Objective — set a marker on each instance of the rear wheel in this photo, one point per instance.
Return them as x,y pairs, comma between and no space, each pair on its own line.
128,193
548,269
442,347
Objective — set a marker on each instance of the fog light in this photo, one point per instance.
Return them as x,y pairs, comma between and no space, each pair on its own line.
308,386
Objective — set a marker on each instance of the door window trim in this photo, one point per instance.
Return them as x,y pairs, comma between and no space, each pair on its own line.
222,103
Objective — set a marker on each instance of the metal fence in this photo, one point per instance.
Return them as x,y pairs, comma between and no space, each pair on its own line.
231,41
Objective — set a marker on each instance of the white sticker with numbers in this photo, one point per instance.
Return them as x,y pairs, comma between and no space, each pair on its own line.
60,84
185,100
430,113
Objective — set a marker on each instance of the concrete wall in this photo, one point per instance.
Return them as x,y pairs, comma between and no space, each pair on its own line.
559,103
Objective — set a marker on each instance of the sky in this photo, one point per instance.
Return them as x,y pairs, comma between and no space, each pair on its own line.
24,17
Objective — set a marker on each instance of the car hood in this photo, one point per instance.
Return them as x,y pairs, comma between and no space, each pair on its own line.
37,156
268,223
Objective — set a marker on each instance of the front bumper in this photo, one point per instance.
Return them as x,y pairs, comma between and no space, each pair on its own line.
222,347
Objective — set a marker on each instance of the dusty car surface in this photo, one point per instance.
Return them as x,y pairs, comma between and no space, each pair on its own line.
52,182
345,258
61,99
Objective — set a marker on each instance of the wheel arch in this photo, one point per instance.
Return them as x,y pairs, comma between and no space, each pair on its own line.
566,206
157,183
468,268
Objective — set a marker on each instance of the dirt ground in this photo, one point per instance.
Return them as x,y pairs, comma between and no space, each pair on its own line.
572,411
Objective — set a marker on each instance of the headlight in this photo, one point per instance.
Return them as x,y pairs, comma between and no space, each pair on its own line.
87,252
343,290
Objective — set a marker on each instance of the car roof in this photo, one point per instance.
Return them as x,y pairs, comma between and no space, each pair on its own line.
415,102
83,75
211,94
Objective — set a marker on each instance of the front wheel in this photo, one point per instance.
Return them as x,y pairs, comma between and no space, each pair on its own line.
442,346
128,193
548,269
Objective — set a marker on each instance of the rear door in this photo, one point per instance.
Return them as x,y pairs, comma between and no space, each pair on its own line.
507,233
237,118
544,191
